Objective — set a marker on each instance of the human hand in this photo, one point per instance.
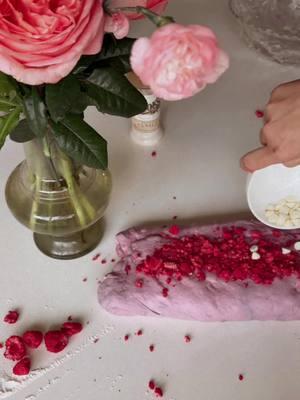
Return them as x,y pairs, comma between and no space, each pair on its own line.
280,136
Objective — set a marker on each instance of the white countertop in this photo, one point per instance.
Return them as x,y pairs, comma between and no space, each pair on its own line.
198,162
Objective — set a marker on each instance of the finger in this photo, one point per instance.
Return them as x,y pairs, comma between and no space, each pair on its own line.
270,135
285,90
263,139
274,111
258,159
292,163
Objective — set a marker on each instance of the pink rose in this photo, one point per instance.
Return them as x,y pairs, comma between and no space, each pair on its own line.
157,6
118,24
41,41
178,61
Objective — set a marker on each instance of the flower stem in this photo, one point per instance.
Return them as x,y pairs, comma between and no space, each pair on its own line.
158,20
84,210
35,203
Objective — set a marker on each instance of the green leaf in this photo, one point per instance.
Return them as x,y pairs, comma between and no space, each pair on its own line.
111,51
122,64
35,112
7,85
8,93
84,63
80,141
8,123
113,48
65,97
113,94
22,133
6,105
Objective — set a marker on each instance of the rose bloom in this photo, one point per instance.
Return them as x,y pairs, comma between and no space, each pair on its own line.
118,24
41,41
178,61
157,6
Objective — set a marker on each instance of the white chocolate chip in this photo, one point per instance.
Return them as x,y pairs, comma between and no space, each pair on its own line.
285,213
281,220
288,223
253,249
290,199
285,251
284,210
297,246
255,256
270,207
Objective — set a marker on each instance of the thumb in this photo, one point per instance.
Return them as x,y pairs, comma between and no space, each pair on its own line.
258,159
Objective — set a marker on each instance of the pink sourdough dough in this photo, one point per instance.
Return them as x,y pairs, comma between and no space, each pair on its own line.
190,299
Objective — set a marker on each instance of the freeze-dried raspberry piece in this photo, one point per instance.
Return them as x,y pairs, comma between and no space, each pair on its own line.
33,339
174,230
15,348
11,317
259,113
56,341
158,391
151,385
187,339
71,328
22,367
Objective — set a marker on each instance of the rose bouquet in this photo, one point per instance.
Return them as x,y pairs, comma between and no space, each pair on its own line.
57,57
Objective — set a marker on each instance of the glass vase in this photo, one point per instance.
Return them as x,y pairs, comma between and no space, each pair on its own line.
271,27
61,201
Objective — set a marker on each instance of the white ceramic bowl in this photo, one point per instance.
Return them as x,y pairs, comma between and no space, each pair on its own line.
270,185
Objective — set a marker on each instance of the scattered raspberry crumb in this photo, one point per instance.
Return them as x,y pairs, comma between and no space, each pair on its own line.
139,332
33,339
84,279
165,292
175,217
126,338
1,345
113,260
103,261
70,318
259,114
227,257
151,348
174,197
187,339
96,340
22,367
154,154
71,328
241,377
56,341
151,385
11,317
15,348
158,391
96,256
139,283
174,230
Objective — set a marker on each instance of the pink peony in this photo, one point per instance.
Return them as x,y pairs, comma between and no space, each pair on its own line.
41,41
157,6
118,24
178,61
